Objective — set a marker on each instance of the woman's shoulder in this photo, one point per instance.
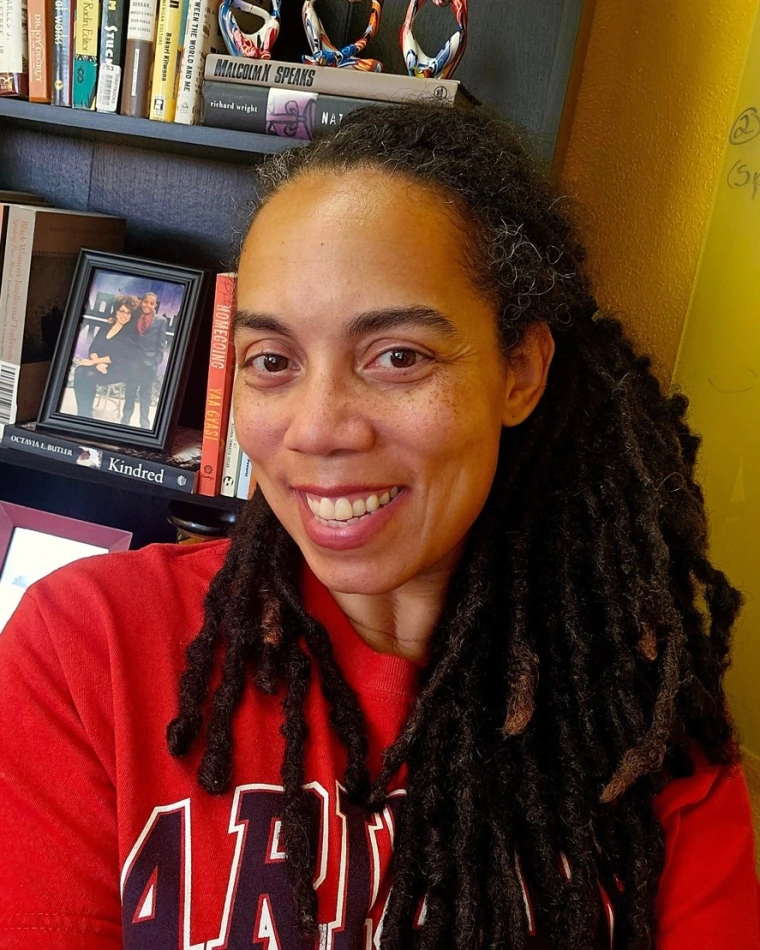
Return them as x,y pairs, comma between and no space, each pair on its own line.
140,591
707,782
124,572
708,894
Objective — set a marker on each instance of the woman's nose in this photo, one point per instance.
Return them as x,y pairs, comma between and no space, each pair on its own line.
328,414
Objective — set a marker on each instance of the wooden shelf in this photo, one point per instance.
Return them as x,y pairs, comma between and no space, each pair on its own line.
193,140
65,469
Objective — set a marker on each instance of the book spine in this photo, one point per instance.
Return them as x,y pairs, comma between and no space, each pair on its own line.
282,112
14,292
39,40
111,58
86,26
243,108
245,477
221,366
62,52
15,282
126,466
162,101
138,60
14,76
231,458
198,38
335,82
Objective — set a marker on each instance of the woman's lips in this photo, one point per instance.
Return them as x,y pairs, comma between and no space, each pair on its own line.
349,536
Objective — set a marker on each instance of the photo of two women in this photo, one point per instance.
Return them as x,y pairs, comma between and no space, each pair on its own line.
123,345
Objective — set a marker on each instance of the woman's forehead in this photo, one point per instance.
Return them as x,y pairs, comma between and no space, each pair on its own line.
357,242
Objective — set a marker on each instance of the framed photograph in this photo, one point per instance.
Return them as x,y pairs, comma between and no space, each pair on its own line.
120,367
34,543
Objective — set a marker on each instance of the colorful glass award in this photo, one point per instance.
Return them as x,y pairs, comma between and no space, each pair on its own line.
446,60
325,53
256,45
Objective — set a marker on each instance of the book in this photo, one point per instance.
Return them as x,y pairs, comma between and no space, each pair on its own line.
111,55
202,36
62,52
138,59
177,469
231,455
246,483
86,31
354,83
164,75
221,367
38,50
14,78
286,112
41,250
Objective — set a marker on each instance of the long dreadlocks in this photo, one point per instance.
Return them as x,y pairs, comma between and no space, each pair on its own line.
585,634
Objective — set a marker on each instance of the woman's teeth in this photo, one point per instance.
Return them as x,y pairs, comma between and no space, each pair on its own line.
342,511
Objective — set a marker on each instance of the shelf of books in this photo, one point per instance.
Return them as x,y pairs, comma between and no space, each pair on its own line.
129,476
95,356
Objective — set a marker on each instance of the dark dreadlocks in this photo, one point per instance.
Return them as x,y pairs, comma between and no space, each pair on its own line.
585,634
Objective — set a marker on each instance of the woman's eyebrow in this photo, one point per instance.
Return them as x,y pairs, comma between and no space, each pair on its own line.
371,321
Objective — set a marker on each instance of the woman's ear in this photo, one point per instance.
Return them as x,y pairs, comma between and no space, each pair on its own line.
527,372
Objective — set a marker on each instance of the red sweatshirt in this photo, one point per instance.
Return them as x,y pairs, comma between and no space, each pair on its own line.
107,840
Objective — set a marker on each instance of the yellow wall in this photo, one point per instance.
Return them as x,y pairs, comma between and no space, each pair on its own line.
641,146
718,367
656,90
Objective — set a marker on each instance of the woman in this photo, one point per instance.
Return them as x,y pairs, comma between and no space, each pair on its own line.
112,357
452,685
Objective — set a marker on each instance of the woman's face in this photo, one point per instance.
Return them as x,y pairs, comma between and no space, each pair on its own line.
123,315
368,362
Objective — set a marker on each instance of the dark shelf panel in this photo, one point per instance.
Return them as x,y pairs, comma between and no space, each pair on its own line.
195,140
65,469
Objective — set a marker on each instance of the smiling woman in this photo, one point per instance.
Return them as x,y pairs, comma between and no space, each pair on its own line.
471,594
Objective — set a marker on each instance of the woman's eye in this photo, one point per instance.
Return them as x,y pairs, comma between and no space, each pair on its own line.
402,358
268,362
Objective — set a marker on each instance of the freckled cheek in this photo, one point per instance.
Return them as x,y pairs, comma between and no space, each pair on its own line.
258,428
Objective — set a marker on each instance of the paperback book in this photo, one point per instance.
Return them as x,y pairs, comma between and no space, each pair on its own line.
177,469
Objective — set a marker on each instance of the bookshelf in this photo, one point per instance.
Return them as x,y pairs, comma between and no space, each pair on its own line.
189,140
186,191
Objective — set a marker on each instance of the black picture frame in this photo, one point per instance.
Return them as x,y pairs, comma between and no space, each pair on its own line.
177,354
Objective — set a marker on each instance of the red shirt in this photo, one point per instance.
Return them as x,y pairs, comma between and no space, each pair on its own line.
106,840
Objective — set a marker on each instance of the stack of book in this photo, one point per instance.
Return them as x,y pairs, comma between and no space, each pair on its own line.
166,60
297,101
139,58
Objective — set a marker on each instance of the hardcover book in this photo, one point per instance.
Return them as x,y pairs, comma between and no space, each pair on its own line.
14,78
285,112
62,52
38,58
221,369
334,82
138,60
202,36
86,30
111,56
246,483
163,85
41,250
232,453
177,469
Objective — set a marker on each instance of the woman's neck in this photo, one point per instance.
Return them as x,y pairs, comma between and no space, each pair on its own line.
401,622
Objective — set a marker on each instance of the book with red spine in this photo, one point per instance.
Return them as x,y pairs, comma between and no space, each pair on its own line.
221,372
